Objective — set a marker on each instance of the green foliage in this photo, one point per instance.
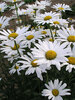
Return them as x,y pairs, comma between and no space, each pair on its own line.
29,1
68,13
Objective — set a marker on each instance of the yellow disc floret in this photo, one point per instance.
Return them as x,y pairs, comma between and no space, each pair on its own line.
47,18
14,0
33,63
29,37
0,9
60,8
56,22
50,55
16,67
51,40
55,92
71,60
71,38
15,47
0,25
13,35
44,32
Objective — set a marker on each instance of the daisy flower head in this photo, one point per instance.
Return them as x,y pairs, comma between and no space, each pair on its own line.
35,6
13,48
46,17
50,53
55,90
66,35
15,68
18,5
13,1
19,12
31,67
44,32
4,21
61,7
3,6
9,35
12,57
30,37
59,22
28,11
70,64
43,3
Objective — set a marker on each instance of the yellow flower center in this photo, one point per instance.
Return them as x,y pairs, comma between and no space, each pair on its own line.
50,55
13,35
51,40
33,63
47,18
71,60
0,9
15,47
16,67
41,26
60,8
29,37
14,0
70,19
11,30
44,32
55,92
0,25
71,38
56,22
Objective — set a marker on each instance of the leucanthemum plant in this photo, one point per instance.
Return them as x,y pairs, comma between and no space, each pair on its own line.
3,6
12,1
49,53
40,49
61,7
66,35
29,63
55,90
4,21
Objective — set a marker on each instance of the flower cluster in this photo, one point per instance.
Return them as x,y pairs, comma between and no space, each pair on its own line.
48,42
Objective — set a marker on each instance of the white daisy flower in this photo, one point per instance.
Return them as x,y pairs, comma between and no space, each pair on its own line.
3,6
15,68
28,11
55,90
13,1
18,5
46,18
35,6
50,53
30,37
12,57
43,3
70,64
4,21
29,62
19,11
9,35
59,22
66,35
61,7
44,32
13,48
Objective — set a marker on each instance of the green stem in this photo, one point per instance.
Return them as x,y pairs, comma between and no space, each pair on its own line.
51,33
17,12
46,77
17,48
